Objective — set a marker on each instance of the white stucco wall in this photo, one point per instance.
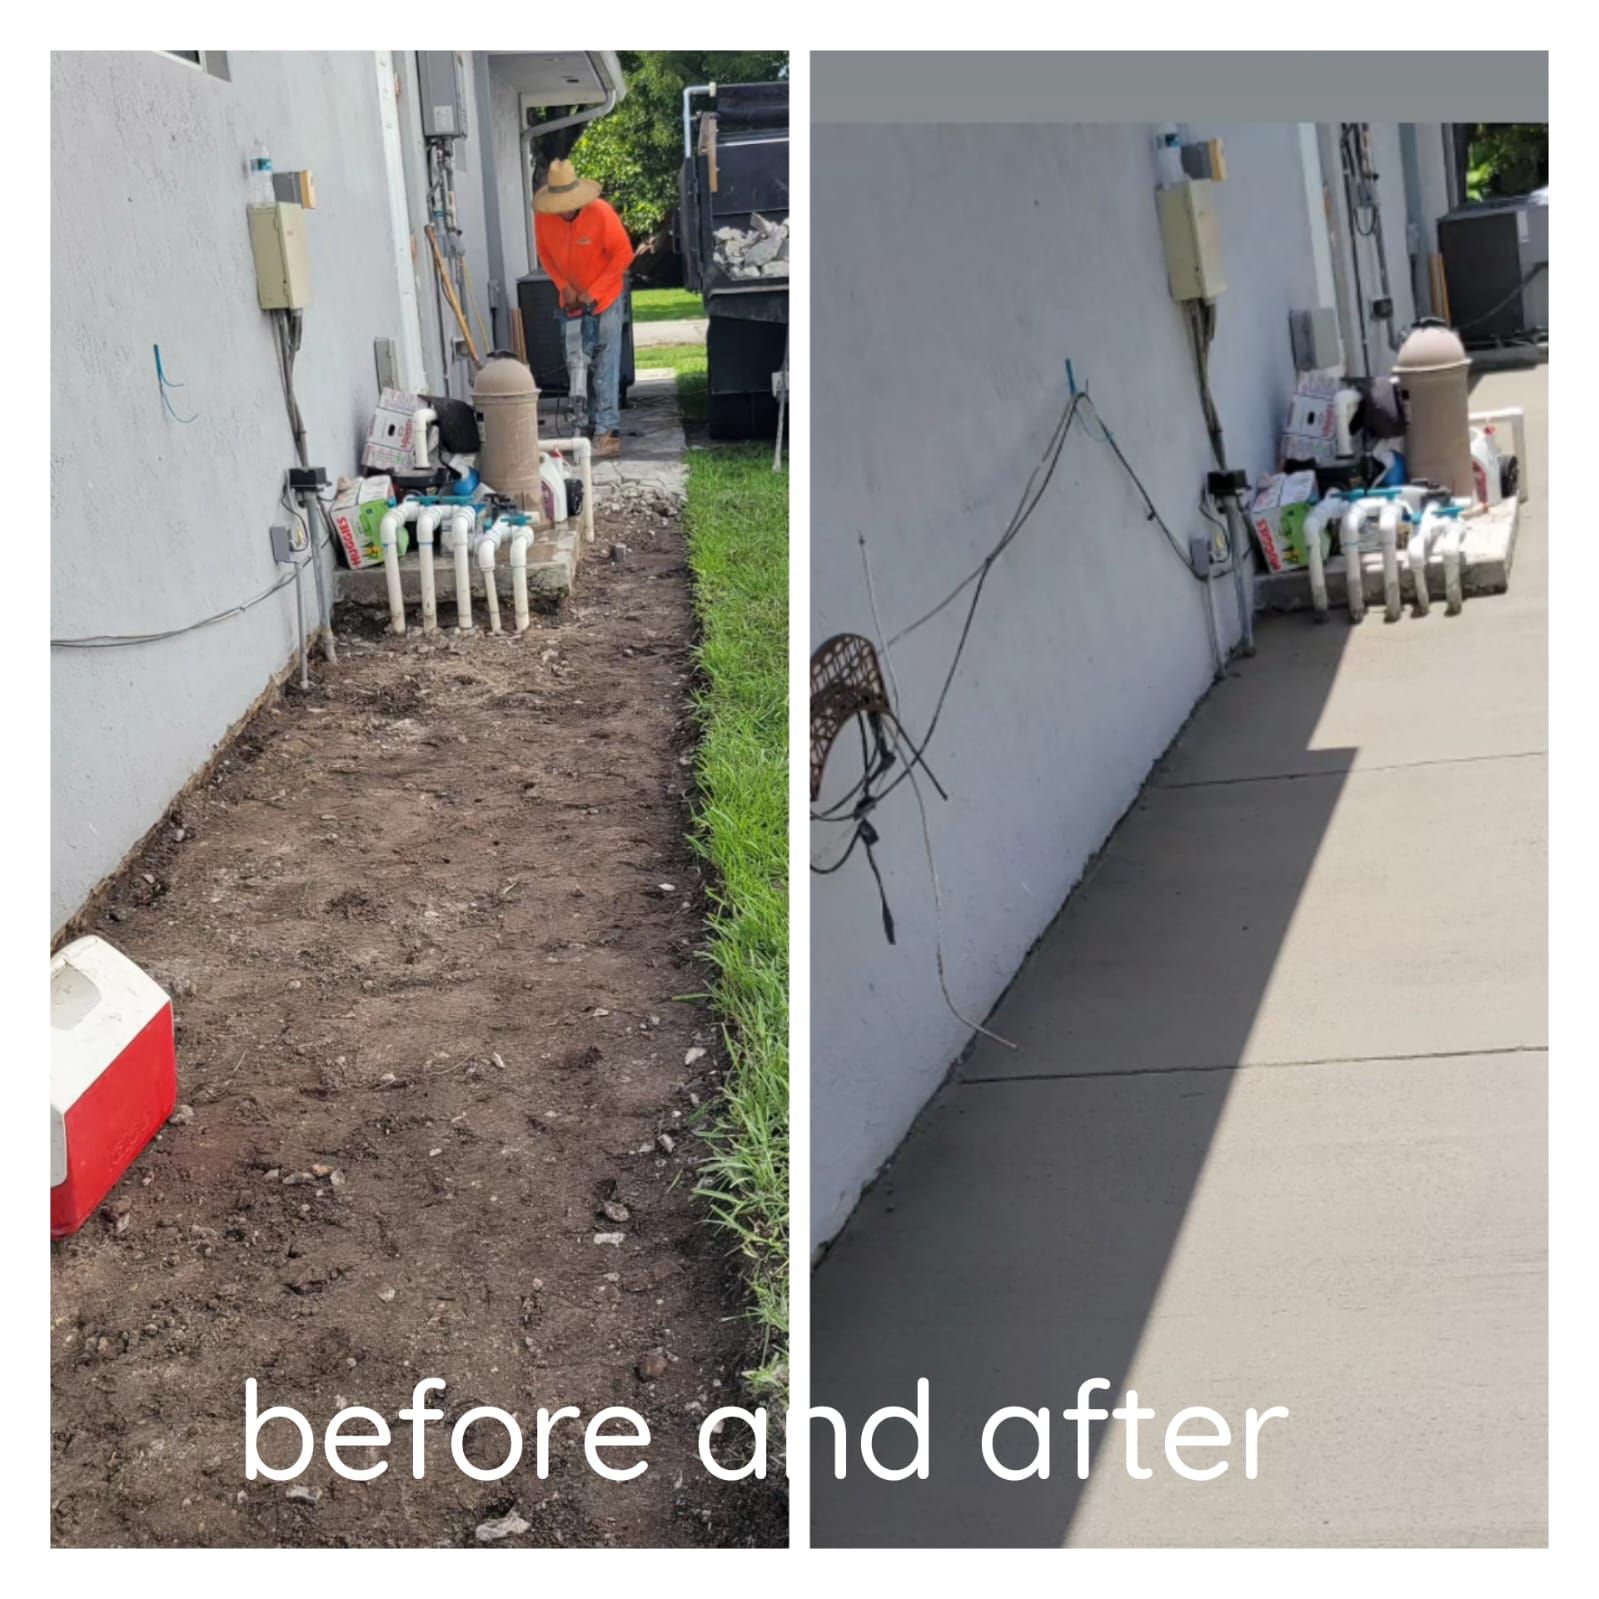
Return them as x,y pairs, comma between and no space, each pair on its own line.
155,523
955,269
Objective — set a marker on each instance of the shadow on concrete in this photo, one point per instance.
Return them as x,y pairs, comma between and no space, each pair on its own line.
1129,1014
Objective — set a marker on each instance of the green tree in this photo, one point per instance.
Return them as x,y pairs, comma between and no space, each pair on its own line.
637,150
1507,158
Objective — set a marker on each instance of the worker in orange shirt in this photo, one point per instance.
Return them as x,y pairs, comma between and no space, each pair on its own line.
586,252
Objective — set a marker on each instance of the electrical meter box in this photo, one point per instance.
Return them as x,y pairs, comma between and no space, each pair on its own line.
1191,233
282,260
1316,341
441,88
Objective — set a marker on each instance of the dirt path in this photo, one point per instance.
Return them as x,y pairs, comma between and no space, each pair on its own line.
424,964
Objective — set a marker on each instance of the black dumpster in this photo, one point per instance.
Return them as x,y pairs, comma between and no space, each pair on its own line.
738,168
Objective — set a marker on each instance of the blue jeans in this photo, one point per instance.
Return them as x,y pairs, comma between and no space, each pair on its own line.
601,337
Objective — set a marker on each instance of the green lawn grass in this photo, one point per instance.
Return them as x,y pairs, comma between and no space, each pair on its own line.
736,521
688,361
666,305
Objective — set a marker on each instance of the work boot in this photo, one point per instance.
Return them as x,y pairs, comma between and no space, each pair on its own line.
608,446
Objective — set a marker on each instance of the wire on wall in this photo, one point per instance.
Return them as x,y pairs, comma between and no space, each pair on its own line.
101,641
885,743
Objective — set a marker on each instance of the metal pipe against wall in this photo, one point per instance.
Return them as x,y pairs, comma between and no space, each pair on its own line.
299,620
1238,541
1337,231
1410,165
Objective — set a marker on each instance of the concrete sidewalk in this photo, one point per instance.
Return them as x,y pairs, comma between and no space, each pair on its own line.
1274,1135
682,330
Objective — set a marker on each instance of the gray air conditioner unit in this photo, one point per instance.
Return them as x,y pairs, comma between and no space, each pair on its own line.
1496,266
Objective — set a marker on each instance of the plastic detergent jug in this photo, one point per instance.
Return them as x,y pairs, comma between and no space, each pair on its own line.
113,1074
553,480
1485,467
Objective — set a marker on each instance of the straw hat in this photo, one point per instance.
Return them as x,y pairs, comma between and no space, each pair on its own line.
564,190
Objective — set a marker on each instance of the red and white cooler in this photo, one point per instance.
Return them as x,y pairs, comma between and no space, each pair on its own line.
113,1074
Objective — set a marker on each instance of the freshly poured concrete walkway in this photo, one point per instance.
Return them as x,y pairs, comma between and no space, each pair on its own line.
1275,1134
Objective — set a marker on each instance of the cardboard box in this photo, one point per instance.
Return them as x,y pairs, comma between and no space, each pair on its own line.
357,517
1277,513
389,445
1311,432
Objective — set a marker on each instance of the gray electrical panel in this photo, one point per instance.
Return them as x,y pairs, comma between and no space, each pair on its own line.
1316,342
441,87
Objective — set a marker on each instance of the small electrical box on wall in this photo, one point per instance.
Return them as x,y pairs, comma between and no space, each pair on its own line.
282,260
1206,159
1191,233
295,188
441,89
1316,341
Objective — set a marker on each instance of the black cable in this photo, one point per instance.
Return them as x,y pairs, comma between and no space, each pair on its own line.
836,811
102,641
1538,267
1024,510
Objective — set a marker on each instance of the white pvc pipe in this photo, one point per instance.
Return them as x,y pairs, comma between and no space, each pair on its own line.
491,593
519,543
1320,515
1344,403
1349,543
459,541
389,536
1388,528
1453,538
1421,537
582,449
421,420
426,525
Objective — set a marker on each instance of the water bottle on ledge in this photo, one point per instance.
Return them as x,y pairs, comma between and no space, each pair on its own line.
261,191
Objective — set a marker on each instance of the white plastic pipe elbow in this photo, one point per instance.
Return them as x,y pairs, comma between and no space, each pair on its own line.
491,593
1388,529
519,544
461,544
389,537
426,526
1454,537
1320,515
421,420
1349,544
1421,539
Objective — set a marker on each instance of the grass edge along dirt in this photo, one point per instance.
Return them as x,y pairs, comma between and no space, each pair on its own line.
736,522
